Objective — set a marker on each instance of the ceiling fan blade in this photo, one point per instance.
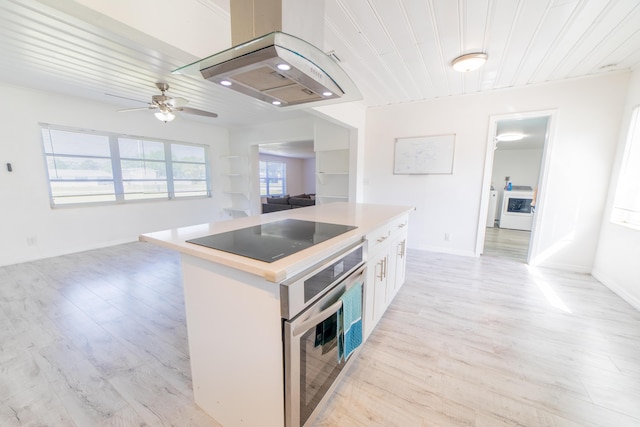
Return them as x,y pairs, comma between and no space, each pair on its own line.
138,109
177,102
124,97
197,112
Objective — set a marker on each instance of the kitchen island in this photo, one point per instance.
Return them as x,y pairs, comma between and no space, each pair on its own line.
233,303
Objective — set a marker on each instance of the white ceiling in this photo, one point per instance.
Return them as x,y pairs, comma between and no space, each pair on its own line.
396,51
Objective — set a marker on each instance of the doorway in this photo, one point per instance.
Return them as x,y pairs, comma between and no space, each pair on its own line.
513,176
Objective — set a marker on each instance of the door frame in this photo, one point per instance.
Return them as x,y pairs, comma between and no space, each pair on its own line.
542,181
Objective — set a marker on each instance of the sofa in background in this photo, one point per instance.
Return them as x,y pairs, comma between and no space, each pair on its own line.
285,202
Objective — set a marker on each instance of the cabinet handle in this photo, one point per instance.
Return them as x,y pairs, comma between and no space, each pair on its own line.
402,225
382,239
384,267
381,275
403,246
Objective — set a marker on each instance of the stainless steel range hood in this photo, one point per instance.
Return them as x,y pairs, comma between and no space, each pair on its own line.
277,68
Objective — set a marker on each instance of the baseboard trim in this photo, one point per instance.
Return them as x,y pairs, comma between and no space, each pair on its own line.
442,250
616,288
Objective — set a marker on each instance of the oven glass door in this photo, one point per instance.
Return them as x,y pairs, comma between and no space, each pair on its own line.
311,354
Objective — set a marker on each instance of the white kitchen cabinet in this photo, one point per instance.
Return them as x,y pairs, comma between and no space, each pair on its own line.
397,264
386,266
376,290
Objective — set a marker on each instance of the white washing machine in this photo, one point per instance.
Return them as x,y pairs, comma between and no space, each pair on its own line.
516,212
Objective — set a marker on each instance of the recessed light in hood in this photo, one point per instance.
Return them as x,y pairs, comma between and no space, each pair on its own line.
280,69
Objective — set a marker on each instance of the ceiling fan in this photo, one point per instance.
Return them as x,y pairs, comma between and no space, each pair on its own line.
167,106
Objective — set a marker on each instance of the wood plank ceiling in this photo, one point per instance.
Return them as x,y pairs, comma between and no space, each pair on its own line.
396,51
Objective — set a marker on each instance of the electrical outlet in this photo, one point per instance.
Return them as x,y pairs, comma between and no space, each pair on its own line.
447,237
32,241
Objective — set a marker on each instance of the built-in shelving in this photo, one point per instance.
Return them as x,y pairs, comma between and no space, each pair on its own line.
237,185
332,172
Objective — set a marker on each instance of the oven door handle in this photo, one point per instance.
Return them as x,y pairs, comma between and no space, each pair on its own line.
320,317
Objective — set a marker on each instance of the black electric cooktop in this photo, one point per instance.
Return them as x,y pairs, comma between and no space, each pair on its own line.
273,241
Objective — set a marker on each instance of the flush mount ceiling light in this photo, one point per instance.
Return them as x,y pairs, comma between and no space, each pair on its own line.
510,137
469,62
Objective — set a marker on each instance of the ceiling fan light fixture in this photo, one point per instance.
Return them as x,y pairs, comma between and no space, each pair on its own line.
165,116
469,62
225,83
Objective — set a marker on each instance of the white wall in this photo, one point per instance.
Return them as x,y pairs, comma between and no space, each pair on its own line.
297,177
585,136
309,176
24,198
523,166
616,263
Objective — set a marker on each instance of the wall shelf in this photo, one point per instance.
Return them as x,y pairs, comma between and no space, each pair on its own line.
236,174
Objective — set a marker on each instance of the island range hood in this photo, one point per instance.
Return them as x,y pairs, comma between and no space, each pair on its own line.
278,68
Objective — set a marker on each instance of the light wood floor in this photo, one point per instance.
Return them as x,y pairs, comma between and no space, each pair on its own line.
507,243
99,339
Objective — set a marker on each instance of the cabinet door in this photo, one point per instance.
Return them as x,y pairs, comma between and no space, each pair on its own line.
377,277
398,262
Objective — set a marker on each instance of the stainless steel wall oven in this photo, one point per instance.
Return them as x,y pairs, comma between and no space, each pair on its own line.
310,305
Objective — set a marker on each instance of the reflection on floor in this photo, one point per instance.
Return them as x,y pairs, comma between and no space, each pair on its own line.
506,243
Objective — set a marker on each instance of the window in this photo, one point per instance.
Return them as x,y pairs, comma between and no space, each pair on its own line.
90,167
272,178
626,208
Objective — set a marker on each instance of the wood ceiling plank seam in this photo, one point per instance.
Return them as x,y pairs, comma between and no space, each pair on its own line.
345,48
414,42
482,79
559,69
60,24
554,45
616,53
56,43
628,60
381,64
62,72
418,14
602,40
359,54
531,42
401,64
358,28
371,25
525,26
72,80
367,89
500,68
585,12
500,26
438,43
473,37
59,53
42,58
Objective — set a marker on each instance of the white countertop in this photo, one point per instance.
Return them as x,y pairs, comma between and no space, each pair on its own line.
367,217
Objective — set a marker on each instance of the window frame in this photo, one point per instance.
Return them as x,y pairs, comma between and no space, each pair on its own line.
116,166
266,178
